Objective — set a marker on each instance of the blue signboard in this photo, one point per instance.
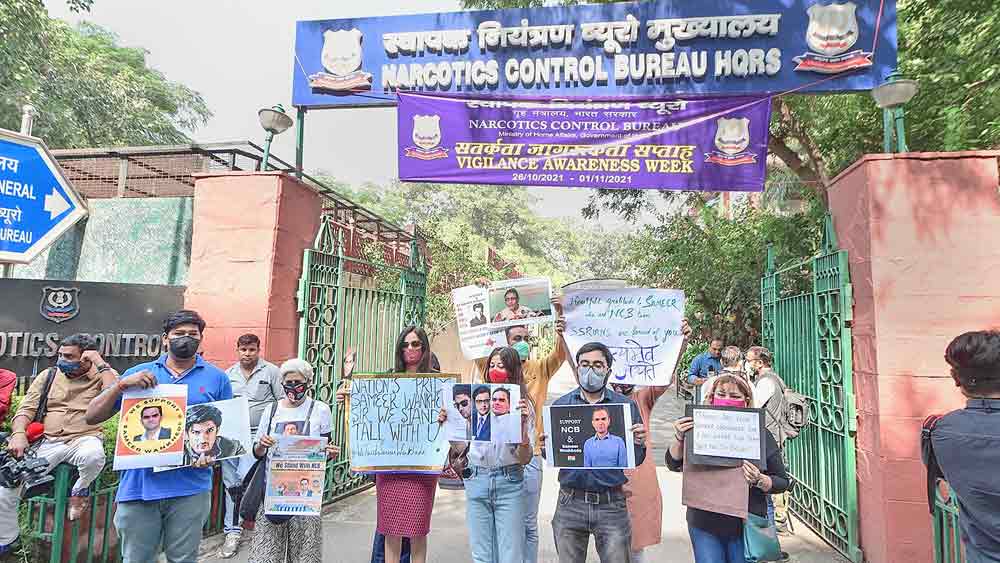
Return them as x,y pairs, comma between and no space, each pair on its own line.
37,204
632,48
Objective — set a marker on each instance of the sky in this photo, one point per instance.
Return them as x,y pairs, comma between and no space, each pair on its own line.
238,55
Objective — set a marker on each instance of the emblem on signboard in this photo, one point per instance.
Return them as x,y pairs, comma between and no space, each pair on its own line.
732,137
60,304
427,138
832,30
341,57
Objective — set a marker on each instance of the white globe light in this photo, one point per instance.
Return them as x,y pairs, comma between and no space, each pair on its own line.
274,120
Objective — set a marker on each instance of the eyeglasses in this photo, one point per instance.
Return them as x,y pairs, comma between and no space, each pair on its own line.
415,344
595,365
461,404
482,401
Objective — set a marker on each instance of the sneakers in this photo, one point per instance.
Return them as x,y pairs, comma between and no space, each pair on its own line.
231,546
785,529
78,504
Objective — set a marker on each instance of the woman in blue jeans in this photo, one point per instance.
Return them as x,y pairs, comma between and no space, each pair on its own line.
718,538
494,475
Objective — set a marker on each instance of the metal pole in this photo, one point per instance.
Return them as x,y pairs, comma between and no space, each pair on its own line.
300,125
900,131
887,131
267,151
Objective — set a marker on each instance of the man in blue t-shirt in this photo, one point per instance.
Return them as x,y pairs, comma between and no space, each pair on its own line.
706,364
168,508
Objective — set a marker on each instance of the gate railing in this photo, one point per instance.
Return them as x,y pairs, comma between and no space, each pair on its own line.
947,535
347,302
806,314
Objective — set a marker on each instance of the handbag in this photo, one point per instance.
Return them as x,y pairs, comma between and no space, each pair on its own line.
760,539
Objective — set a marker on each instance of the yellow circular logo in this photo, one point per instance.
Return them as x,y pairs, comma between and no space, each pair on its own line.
153,425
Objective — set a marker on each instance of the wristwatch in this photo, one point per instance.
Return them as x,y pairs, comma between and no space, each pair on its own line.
103,367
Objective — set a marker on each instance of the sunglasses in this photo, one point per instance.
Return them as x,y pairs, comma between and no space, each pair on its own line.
461,404
414,344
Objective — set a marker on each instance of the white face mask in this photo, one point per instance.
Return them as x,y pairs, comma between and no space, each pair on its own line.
592,380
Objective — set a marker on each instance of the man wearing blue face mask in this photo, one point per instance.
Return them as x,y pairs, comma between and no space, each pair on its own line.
591,501
166,509
56,399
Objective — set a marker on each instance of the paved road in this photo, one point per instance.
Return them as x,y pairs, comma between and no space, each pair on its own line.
349,525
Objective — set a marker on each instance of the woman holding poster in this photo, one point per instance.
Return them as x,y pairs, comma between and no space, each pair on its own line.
494,473
291,539
716,537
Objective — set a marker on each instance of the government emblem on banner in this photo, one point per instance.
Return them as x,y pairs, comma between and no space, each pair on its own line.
832,30
60,304
732,137
427,138
341,58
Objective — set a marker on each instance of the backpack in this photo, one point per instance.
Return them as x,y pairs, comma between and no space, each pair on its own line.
791,413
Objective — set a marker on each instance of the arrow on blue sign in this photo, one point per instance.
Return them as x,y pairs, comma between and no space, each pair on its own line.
37,203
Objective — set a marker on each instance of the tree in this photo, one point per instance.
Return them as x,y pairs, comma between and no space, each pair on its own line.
89,90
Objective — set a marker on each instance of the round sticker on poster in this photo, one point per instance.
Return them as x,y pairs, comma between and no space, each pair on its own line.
153,425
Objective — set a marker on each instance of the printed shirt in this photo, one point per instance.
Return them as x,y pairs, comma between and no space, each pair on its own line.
701,364
493,455
67,405
967,447
262,388
608,451
599,480
205,384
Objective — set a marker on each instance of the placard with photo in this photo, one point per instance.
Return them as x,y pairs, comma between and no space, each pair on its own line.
520,301
597,436
218,430
151,427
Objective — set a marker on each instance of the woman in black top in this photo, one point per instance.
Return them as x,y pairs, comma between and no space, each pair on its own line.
718,538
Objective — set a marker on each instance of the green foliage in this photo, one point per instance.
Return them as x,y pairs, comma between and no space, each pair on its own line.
718,262
89,90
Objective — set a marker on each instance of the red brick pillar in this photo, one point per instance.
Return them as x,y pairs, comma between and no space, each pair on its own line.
246,259
921,233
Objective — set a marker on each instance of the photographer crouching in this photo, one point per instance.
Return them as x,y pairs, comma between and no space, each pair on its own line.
49,426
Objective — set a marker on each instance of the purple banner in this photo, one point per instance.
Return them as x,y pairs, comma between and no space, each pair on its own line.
676,143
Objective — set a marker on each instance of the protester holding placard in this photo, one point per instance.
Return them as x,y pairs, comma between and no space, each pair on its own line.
592,501
166,509
717,537
295,539
494,472
642,491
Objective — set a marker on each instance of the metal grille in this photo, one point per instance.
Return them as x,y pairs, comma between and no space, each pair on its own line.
341,309
808,328
948,546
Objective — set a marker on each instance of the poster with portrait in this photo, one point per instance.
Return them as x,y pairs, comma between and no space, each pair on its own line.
589,436
296,470
482,412
641,327
393,422
475,333
217,430
151,427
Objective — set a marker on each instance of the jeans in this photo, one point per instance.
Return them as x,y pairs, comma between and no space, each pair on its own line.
378,549
233,472
174,523
709,548
86,453
636,556
576,520
494,514
532,494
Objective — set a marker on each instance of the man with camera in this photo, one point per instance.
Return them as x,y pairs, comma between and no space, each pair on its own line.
49,425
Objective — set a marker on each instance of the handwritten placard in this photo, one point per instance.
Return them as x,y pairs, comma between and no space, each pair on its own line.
641,326
393,422
726,435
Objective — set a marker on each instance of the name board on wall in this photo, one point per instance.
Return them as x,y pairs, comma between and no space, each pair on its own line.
125,319
623,48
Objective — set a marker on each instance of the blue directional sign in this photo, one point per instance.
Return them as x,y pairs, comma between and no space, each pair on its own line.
37,203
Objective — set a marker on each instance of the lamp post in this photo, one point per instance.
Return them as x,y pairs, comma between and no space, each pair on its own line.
275,122
891,95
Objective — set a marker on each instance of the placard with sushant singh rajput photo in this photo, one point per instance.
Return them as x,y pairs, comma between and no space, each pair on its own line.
597,436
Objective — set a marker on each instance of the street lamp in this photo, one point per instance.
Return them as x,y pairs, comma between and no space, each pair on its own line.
891,96
275,122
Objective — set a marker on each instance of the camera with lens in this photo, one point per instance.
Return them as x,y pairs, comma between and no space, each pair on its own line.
28,471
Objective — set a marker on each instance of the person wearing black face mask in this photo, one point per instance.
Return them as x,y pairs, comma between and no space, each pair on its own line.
55,399
146,499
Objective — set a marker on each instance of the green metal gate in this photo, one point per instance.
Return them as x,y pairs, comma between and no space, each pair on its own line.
806,311
346,302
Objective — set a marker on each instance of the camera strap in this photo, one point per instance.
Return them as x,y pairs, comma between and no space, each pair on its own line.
43,399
